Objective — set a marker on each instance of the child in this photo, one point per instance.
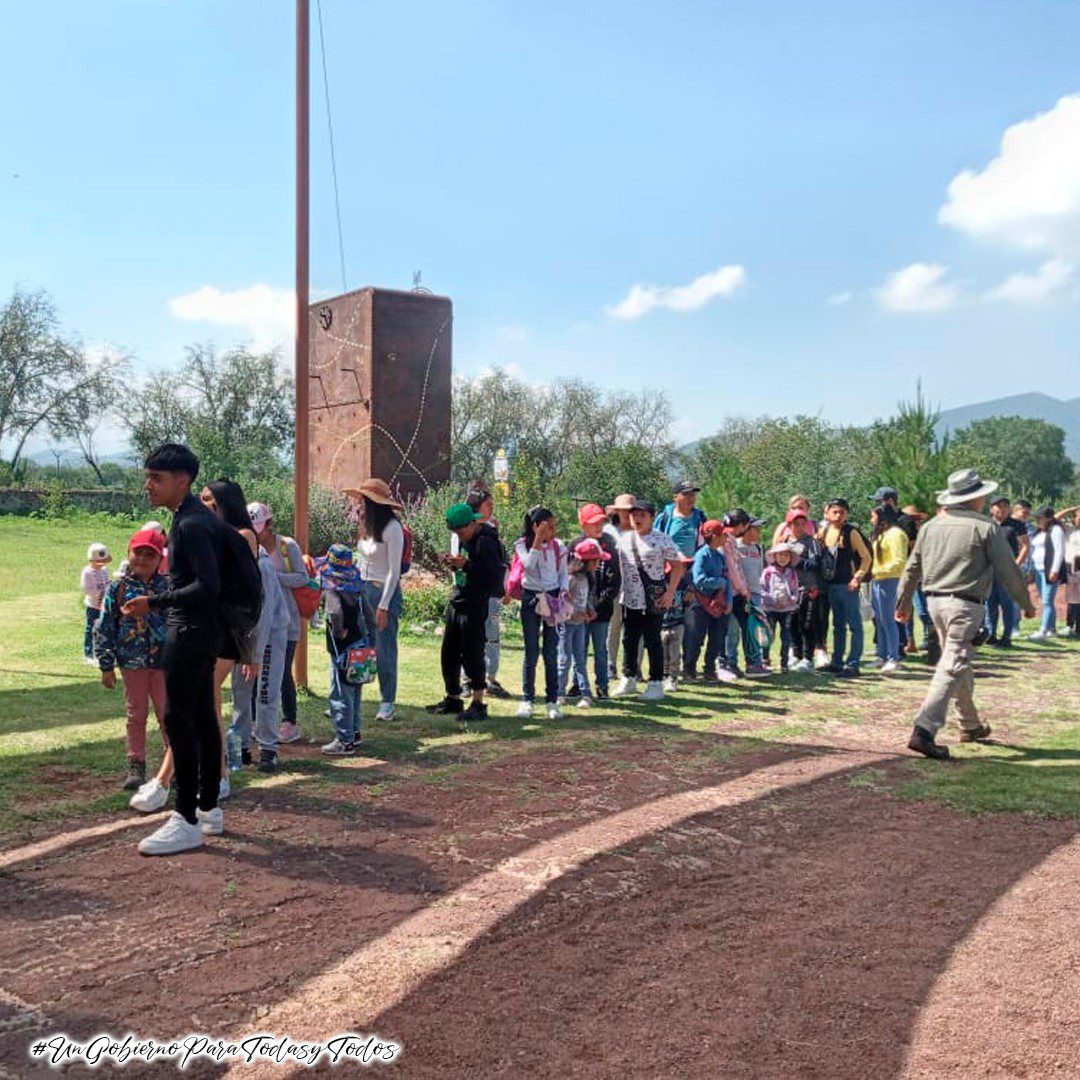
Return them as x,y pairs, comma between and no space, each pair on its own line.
780,593
810,625
94,582
711,586
672,631
346,623
574,635
136,644
751,561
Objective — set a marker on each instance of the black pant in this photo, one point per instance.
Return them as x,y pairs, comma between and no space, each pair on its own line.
288,687
1073,617
785,620
464,638
190,717
638,625
810,626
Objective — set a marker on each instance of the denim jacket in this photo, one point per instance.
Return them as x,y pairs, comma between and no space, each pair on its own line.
126,641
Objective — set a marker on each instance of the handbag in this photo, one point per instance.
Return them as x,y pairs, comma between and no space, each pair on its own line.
654,588
715,605
357,662
307,596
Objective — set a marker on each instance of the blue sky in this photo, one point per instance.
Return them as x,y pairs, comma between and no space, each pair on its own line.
778,179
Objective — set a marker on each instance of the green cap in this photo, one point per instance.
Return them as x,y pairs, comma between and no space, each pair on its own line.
459,515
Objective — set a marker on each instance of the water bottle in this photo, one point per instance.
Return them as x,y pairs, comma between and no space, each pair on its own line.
233,747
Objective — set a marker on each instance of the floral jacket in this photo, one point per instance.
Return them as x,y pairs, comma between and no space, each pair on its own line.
123,640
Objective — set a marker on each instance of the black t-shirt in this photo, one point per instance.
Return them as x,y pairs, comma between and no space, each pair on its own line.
1013,530
908,524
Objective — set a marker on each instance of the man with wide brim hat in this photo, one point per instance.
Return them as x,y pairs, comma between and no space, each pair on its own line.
378,491
955,558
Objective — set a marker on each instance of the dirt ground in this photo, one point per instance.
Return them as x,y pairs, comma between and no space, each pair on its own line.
699,907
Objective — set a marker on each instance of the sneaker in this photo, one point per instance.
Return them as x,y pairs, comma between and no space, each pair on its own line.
821,659
337,748
654,691
1039,635
627,686
689,674
150,798
497,690
922,742
448,705
832,669
554,712
524,711
910,648
670,684
356,737
757,670
993,639
979,734
476,711
224,789
586,702
136,775
245,755
328,714
874,661
212,822
804,666
601,693
1005,643
268,761
724,674
574,691
1067,632
889,667
560,700
386,711
289,733
175,835
849,671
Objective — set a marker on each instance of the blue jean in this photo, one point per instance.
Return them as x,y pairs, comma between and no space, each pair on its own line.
1001,603
344,705
92,616
1047,592
538,637
708,630
847,618
574,653
738,631
883,596
598,636
386,641
493,628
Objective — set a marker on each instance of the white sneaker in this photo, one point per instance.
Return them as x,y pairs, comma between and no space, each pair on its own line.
151,797
524,711
1039,635
336,748
224,788
670,684
554,712
654,691
176,835
288,733
889,667
627,686
1067,632
725,674
386,711
585,703
821,659
212,822
560,700
804,666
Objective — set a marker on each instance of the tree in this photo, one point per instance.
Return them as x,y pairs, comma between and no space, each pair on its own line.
235,411
1026,456
47,383
909,455
599,477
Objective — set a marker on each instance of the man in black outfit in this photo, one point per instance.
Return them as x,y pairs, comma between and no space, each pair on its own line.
479,575
196,548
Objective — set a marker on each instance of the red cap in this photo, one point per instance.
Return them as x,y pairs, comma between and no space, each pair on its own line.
793,514
591,513
712,526
149,538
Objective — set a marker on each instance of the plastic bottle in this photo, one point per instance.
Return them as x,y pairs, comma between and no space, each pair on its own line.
233,747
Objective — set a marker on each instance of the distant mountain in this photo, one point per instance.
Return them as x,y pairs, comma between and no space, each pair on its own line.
1066,414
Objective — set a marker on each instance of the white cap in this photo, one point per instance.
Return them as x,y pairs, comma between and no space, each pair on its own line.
260,515
98,553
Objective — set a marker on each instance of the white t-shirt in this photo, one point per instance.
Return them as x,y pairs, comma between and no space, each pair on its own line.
653,550
381,560
94,583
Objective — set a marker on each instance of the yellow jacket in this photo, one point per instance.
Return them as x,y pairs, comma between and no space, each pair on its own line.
890,553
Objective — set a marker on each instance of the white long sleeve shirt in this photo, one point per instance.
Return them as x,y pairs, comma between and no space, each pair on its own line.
1055,538
545,568
380,560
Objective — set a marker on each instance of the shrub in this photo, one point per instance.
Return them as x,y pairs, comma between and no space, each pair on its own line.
330,516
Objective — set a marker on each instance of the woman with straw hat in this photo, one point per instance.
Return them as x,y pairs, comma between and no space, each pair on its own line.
380,546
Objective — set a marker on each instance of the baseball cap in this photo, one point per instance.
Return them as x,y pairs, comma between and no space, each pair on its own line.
711,527
686,487
996,501
644,504
591,549
591,513
738,516
791,515
148,538
884,493
459,515
98,553
260,515
1044,512
756,522
842,503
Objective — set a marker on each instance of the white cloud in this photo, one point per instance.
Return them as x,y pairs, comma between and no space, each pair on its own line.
839,299
1029,195
919,287
642,299
1031,288
267,315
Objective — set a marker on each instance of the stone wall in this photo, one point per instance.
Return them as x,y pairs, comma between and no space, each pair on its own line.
24,501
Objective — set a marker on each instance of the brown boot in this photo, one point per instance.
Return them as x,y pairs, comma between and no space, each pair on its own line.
136,775
922,742
979,734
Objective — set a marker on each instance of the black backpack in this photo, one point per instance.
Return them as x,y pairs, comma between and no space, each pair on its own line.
240,602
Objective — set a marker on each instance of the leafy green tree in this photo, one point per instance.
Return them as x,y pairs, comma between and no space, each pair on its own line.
1027,457
601,476
909,455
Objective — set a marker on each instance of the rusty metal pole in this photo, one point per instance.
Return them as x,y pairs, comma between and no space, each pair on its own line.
303,446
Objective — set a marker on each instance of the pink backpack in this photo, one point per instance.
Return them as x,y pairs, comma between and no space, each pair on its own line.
515,577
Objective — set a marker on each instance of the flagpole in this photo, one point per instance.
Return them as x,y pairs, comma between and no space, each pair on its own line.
302,447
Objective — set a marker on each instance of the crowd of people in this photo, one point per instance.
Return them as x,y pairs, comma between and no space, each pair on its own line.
655,599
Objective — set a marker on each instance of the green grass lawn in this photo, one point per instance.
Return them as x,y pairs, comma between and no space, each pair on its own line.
62,733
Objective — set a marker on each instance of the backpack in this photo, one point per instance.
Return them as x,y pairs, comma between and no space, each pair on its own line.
515,578
406,547
828,558
241,598
667,516
307,596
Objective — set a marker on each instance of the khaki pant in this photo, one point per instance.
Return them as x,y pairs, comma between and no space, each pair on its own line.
957,622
